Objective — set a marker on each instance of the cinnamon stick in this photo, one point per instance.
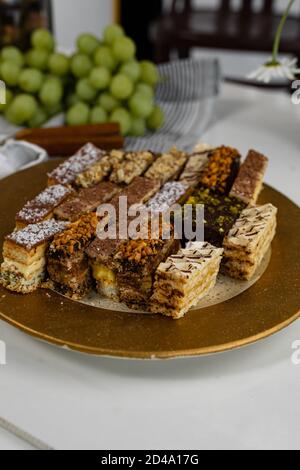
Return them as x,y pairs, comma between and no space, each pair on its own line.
69,131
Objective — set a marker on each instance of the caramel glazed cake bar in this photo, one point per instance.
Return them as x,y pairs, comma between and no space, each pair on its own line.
248,241
185,278
24,253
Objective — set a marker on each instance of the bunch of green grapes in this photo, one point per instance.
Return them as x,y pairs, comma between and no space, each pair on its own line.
101,82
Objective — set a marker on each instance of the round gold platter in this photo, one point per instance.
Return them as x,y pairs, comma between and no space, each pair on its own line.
266,308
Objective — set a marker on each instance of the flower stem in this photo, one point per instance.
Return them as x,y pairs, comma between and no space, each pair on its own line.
279,33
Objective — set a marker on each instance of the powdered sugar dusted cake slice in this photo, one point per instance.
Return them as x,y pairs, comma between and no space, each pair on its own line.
249,240
67,172
172,193
24,254
185,278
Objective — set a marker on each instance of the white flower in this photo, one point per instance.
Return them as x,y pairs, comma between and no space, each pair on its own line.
286,68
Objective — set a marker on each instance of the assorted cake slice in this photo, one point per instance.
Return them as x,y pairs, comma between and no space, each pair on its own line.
131,165
24,253
168,166
42,207
221,170
249,240
249,182
172,193
194,168
184,279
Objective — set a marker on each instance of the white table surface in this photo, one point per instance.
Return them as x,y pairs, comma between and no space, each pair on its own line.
243,399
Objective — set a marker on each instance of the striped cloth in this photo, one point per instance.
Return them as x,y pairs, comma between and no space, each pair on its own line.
187,94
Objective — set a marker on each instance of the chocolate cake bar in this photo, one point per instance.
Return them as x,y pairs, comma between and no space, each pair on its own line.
172,193
133,164
167,167
137,262
221,170
67,172
24,253
184,279
194,168
100,170
249,240
249,182
220,213
68,265
87,200
42,207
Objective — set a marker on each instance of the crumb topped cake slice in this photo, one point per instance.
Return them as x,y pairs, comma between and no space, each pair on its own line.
249,240
185,278
131,165
67,172
221,170
168,166
42,206
24,253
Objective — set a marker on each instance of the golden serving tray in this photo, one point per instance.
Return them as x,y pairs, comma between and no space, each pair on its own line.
266,308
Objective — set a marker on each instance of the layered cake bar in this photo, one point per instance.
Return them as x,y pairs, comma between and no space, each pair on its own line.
172,193
67,172
24,253
137,263
194,168
167,167
249,240
184,279
221,170
101,251
249,182
220,213
100,170
68,265
87,200
133,164
42,207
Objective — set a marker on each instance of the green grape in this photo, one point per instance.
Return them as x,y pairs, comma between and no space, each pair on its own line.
78,115
81,65
51,92
104,58
87,44
22,109
31,80
10,73
149,73
42,39
39,119
37,59
138,127
12,54
72,99
145,89
59,64
100,78
112,32
141,105
98,115
85,91
8,99
156,119
54,109
124,49
132,70
108,102
122,116
121,87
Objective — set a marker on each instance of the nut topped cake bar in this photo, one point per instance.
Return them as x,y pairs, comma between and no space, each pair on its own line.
68,265
194,168
249,240
221,170
42,206
172,193
249,182
185,278
100,170
87,200
131,165
67,172
24,253
168,166
220,213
